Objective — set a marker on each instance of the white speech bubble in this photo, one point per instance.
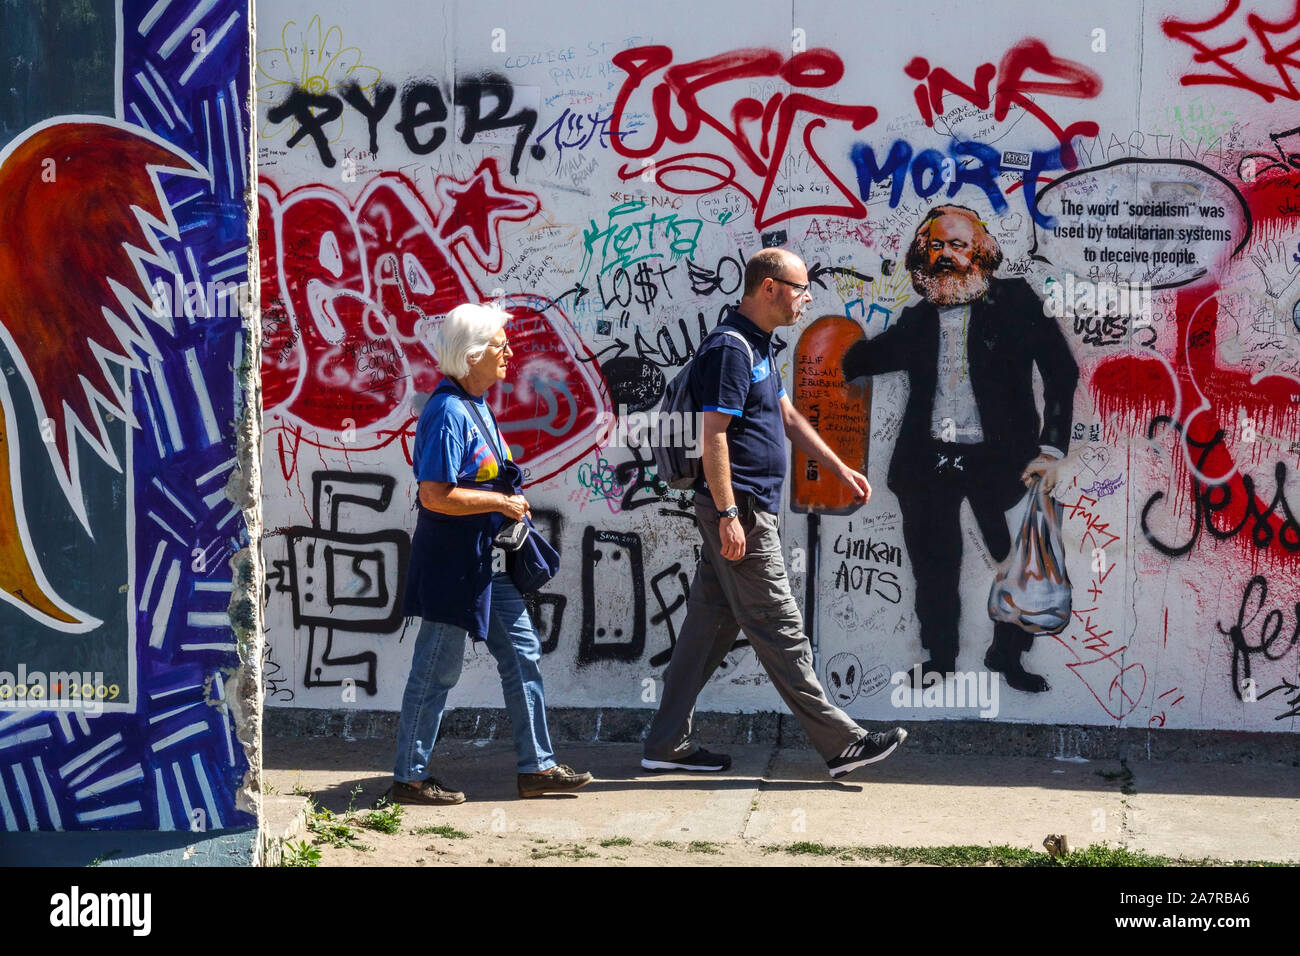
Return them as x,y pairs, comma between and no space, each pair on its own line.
1157,221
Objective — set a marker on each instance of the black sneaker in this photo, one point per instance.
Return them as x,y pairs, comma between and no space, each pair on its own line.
701,761
868,748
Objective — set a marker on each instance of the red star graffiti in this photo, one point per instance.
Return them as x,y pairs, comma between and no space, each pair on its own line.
477,209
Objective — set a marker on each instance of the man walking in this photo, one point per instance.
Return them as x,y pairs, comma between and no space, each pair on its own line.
971,429
740,581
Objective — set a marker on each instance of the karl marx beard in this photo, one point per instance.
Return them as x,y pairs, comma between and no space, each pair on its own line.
945,286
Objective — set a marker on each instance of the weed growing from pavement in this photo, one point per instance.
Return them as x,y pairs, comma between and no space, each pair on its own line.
1095,855
300,791
574,852
336,833
386,817
444,830
695,846
300,854
616,841
1124,775
336,830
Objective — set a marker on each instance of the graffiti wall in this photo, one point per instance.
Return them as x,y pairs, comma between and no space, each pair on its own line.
607,172
124,158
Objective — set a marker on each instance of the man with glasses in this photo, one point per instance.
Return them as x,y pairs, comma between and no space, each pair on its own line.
740,580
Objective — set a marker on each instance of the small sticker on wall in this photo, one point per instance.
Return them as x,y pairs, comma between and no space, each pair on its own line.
1016,160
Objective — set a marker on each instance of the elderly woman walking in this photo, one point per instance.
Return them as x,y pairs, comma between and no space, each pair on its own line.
462,463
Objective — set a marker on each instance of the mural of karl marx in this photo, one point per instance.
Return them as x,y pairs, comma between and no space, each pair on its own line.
971,429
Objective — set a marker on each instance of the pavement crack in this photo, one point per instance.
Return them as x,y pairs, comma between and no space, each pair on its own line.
758,790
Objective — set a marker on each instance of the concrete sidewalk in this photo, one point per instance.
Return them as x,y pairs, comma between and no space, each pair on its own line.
776,796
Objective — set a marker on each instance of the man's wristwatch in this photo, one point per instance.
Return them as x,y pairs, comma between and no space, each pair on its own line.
732,512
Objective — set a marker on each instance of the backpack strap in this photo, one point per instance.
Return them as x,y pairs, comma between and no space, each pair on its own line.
489,434
743,341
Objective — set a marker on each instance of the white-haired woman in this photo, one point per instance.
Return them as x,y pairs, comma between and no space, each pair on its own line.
462,464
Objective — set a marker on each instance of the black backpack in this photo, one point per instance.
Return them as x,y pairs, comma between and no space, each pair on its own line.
675,463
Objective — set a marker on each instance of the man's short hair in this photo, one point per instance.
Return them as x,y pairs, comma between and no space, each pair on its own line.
987,254
766,264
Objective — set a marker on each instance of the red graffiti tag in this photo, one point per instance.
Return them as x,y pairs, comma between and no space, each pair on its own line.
348,292
474,211
1116,686
1207,402
1078,82
1103,671
351,292
1158,720
1231,51
758,132
1097,533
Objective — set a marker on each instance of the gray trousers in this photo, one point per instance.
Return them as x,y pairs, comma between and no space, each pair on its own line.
752,594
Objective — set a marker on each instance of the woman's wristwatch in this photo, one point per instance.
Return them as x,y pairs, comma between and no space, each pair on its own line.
732,512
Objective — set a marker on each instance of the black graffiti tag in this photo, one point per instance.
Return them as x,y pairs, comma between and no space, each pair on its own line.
422,106
1208,499
1270,633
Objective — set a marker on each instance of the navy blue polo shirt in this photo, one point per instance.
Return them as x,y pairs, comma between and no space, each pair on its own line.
722,380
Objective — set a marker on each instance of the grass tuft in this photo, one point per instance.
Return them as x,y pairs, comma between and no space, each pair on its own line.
702,846
574,852
450,832
1094,855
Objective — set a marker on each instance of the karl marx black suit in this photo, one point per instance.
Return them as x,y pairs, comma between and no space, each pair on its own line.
1007,336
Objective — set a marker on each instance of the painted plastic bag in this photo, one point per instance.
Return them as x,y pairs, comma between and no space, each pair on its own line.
1032,589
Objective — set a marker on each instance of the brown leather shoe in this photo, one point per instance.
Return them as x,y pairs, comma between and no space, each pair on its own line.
426,793
559,779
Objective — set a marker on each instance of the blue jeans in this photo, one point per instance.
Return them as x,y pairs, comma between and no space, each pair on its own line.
436,666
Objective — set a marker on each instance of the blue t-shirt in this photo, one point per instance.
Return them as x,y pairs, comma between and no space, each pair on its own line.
722,380
450,446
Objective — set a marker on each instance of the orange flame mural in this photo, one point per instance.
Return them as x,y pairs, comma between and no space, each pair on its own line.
81,210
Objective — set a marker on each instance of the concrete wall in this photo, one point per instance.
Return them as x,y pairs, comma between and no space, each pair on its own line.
126,702
609,169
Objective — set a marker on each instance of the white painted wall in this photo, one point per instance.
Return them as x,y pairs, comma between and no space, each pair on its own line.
1146,646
